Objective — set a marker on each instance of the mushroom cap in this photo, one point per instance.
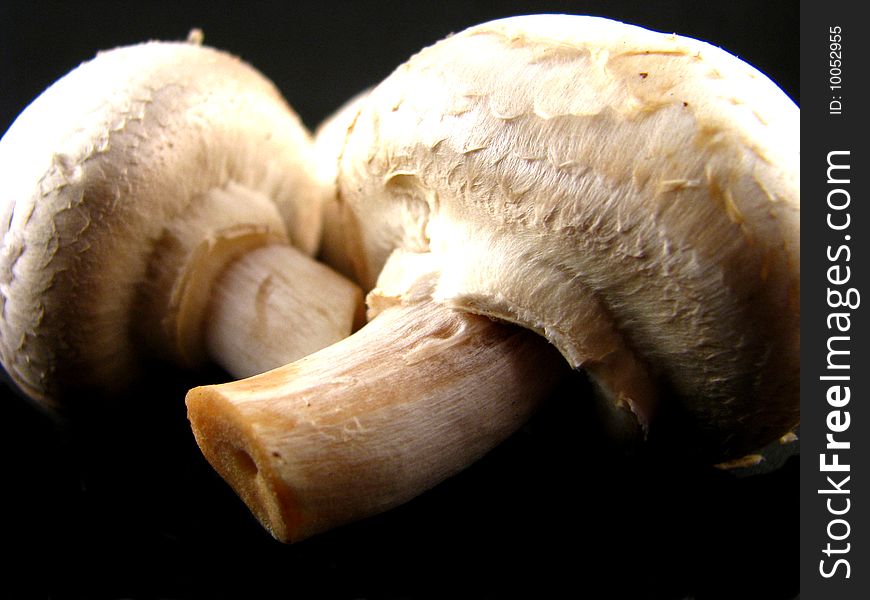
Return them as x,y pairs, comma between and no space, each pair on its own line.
96,171
632,196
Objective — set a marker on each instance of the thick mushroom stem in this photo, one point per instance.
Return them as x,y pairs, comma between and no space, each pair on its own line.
275,305
413,397
225,284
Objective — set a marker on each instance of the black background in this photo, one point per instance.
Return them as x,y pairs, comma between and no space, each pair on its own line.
116,502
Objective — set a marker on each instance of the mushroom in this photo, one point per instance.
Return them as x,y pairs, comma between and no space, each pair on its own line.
150,199
628,196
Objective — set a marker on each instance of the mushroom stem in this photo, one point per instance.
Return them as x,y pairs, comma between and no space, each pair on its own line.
226,285
275,305
368,423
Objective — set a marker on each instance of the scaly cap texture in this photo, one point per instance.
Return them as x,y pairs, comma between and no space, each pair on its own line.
96,168
632,196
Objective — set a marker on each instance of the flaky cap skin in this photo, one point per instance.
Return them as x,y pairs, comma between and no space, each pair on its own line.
93,170
633,196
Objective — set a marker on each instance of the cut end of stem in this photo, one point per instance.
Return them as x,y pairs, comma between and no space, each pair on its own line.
366,424
232,447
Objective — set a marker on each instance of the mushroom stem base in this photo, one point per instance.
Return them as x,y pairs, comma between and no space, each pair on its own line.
415,396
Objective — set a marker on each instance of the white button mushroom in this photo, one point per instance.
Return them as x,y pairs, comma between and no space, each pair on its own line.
630,196
150,197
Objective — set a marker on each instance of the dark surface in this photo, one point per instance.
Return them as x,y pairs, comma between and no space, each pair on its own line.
116,501
322,53
120,504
